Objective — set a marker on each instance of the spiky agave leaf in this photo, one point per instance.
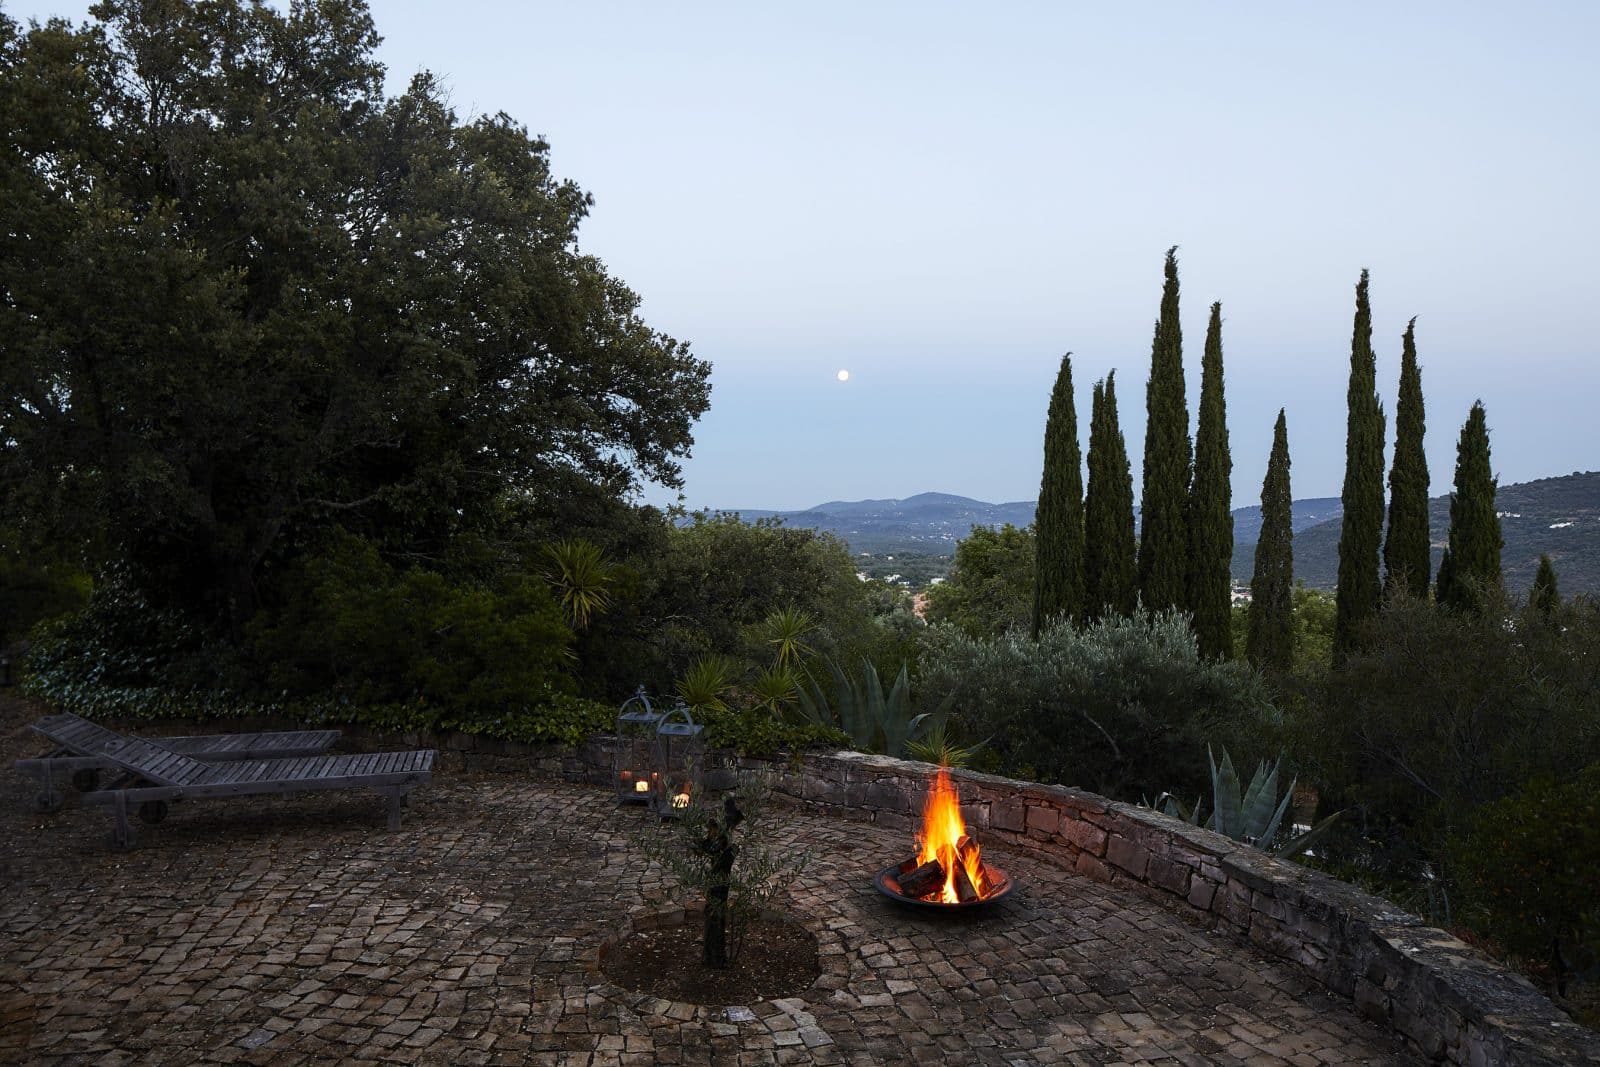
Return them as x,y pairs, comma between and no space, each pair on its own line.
581,576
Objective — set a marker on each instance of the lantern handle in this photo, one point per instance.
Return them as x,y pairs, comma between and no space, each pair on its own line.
678,709
639,697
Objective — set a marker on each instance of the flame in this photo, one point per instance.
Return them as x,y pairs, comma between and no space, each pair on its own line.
942,831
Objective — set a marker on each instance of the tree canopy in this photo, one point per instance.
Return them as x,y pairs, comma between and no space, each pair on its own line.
245,297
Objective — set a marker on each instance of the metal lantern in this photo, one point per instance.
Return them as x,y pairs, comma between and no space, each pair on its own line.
632,774
678,761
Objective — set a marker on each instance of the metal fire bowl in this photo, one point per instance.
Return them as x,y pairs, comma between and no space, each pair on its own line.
889,885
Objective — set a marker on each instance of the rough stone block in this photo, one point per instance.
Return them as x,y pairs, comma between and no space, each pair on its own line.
1125,853
1090,867
1084,835
888,795
1165,874
1201,892
1371,1001
1008,814
1042,821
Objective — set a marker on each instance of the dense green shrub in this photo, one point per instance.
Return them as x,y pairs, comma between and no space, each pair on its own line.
360,629
990,587
1120,707
1443,712
757,732
1528,872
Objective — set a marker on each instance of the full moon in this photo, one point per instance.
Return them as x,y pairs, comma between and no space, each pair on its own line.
844,376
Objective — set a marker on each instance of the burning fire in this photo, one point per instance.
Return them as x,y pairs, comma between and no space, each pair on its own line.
944,838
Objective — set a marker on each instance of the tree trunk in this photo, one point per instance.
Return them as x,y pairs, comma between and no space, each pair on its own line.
720,847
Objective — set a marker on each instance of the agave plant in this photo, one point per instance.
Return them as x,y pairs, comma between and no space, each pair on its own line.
708,681
581,576
1253,814
876,721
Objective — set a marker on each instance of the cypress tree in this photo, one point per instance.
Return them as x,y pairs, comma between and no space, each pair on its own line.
1163,545
1108,512
1269,643
1405,547
1473,558
1362,532
1545,598
1058,577
1210,518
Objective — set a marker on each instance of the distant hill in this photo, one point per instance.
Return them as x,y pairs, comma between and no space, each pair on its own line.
933,522
1560,516
928,522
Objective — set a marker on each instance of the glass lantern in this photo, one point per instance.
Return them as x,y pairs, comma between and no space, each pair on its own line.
678,760
632,773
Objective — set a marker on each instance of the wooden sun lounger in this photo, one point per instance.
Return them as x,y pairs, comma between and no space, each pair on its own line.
80,752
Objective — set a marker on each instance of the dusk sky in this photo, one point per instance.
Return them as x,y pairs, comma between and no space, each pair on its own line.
943,201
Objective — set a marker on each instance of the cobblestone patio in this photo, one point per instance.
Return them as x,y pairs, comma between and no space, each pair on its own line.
300,931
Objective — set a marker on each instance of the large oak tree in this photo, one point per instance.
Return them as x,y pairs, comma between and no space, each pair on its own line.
245,296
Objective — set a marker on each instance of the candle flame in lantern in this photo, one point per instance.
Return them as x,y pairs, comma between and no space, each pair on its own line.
942,830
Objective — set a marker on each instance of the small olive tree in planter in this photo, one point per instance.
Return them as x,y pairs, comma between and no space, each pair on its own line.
721,850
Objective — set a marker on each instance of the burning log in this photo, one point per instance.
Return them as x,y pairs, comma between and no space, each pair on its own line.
920,881
966,893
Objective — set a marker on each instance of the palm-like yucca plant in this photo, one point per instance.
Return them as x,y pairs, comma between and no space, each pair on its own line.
938,745
1252,814
708,681
785,632
877,721
775,688
582,576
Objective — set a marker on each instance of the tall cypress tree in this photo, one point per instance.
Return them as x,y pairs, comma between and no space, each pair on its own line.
1362,533
1058,577
1163,544
1545,598
1405,547
1210,518
1108,512
1473,557
1269,643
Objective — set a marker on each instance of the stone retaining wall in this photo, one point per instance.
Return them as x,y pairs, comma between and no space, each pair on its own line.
1451,1002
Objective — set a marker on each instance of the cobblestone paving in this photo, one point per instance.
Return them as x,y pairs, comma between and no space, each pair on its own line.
301,932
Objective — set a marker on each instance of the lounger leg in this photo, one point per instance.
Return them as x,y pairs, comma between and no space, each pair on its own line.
396,797
48,798
122,837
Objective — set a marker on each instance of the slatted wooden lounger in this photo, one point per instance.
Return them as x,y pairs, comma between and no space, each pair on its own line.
79,752
157,775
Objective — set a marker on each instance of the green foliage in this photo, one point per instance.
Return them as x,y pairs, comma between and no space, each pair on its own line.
1472,579
990,588
1163,542
1448,711
1270,642
1528,871
875,720
708,682
775,688
758,732
718,580
37,583
251,298
1210,517
363,630
581,575
1058,573
1545,597
1118,707
1362,524
1406,546
1109,548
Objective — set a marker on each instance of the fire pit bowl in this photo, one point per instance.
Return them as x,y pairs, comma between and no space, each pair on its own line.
889,885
